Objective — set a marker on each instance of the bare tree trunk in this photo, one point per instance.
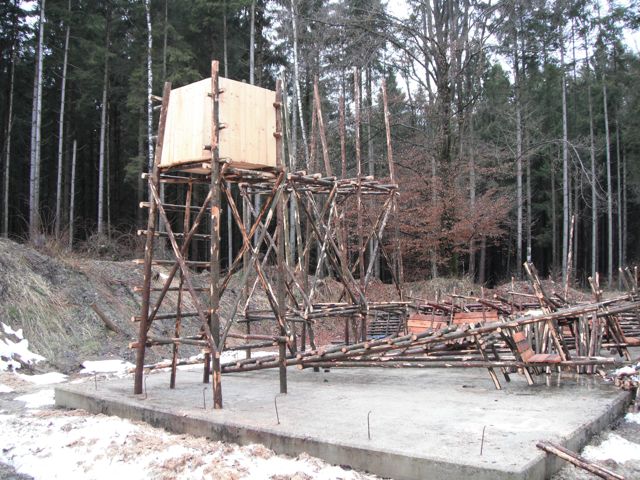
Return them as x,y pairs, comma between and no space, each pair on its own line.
624,209
36,124
229,186
252,76
592,154
554,217
72,195
619,181
434,200
165,35
8,132
61,130
142,157
575,213
107,173
518,164
609,190
370,158
224,39
529,214
296,80
565,169
252,44
150,145
482,275
472,203
103,129
292,165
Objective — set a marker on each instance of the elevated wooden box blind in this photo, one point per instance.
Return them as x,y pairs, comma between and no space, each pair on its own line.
246,114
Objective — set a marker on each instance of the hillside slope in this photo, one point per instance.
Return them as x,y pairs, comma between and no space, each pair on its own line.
51,299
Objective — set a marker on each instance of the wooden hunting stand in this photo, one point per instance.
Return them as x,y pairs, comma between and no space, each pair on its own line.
218,133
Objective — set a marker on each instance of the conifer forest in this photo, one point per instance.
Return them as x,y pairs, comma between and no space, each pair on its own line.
515,124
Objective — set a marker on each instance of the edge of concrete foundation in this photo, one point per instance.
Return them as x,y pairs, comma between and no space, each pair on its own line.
546,464
380,462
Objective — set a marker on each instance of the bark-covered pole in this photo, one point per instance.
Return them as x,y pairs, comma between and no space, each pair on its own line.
392,176
214,260
361,245
148,248
323,138
281,294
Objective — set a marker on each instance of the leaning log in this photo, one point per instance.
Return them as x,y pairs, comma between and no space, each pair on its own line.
578,461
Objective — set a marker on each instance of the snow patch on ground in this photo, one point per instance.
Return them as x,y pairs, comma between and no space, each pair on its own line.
75,445
10,331
627,370
13,353
5,388
117,366
39,399
44,378
615,448
235,355
632,417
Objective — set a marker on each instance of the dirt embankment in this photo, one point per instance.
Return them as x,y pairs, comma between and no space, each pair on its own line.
61,302
53,299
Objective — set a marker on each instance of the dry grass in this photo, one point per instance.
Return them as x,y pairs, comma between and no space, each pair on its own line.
50,299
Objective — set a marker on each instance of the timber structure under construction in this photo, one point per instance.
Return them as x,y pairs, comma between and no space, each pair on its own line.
223,143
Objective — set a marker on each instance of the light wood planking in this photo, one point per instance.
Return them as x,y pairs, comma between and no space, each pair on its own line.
247,115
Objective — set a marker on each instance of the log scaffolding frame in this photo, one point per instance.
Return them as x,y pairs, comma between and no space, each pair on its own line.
264,261
289,270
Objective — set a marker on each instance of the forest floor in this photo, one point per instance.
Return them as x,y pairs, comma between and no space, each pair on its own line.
48,309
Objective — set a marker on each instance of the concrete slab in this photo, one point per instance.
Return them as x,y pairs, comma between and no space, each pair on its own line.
423,423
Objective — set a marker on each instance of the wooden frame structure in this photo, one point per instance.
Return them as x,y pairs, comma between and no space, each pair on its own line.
265,204
268,261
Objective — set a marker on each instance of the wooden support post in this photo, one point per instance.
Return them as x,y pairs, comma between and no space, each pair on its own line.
246,223
361,245
323,137
280,253
214,269
148,249
343,143
392,176
186,226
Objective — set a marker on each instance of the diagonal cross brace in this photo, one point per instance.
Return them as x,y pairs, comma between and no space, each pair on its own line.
186,273
333,255
176,265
